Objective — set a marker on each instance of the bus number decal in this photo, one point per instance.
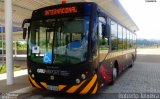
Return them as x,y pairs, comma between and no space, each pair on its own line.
53,72
41,71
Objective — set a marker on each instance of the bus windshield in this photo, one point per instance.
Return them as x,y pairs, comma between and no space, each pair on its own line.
59,40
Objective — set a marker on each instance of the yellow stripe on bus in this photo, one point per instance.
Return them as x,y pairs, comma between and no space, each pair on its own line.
44,84
95,89
90,84
60,87
33,82
74,88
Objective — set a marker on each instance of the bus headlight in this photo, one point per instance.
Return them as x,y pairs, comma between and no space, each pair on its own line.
78,81
30,71
52,77
83,76
102,85
32,75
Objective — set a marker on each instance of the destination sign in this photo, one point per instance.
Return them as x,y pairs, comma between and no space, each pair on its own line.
59,11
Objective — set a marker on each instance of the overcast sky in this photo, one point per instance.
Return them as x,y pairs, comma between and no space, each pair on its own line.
146,15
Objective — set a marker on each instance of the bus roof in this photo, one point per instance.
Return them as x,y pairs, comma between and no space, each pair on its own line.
24,9
115,11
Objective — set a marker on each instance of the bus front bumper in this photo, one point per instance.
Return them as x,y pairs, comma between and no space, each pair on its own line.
87,86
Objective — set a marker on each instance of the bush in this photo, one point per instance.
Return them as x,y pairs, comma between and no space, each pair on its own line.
3,69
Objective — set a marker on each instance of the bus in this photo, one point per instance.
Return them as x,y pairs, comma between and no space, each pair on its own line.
76,48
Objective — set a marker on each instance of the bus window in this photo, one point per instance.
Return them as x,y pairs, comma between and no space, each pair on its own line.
120,37
124,39
95,39
130,37
128,40
103,40
59,41
114,39
132,40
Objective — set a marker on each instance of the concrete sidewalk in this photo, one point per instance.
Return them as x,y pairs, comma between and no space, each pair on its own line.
16,74
20,81
149,51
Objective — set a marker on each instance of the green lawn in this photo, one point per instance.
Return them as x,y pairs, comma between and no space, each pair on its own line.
3,69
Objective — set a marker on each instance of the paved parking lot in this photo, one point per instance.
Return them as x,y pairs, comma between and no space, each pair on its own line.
142,78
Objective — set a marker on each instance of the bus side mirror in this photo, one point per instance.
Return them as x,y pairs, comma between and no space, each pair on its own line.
108,30
24,33
104,30
25,26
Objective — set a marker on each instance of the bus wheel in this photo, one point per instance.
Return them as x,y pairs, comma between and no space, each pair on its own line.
114,75
132,63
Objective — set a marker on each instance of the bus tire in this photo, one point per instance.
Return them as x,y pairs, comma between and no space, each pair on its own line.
114,74
132,63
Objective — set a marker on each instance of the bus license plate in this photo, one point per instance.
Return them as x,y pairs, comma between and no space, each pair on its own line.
54,88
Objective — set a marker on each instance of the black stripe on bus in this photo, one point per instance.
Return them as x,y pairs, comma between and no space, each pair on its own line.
92,88
40,85
66,88
31,82
83,86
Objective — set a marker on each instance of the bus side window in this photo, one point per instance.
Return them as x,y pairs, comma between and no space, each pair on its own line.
103,40
114,36
95,39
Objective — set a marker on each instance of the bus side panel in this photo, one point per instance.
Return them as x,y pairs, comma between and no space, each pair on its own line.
120,61
123,58
119,58
130,54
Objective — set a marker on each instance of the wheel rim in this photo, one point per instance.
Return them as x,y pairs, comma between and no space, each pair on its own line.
114,73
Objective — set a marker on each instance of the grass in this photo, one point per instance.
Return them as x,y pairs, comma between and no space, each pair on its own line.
3,69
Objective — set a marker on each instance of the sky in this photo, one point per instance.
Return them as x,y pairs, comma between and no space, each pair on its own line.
146,15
